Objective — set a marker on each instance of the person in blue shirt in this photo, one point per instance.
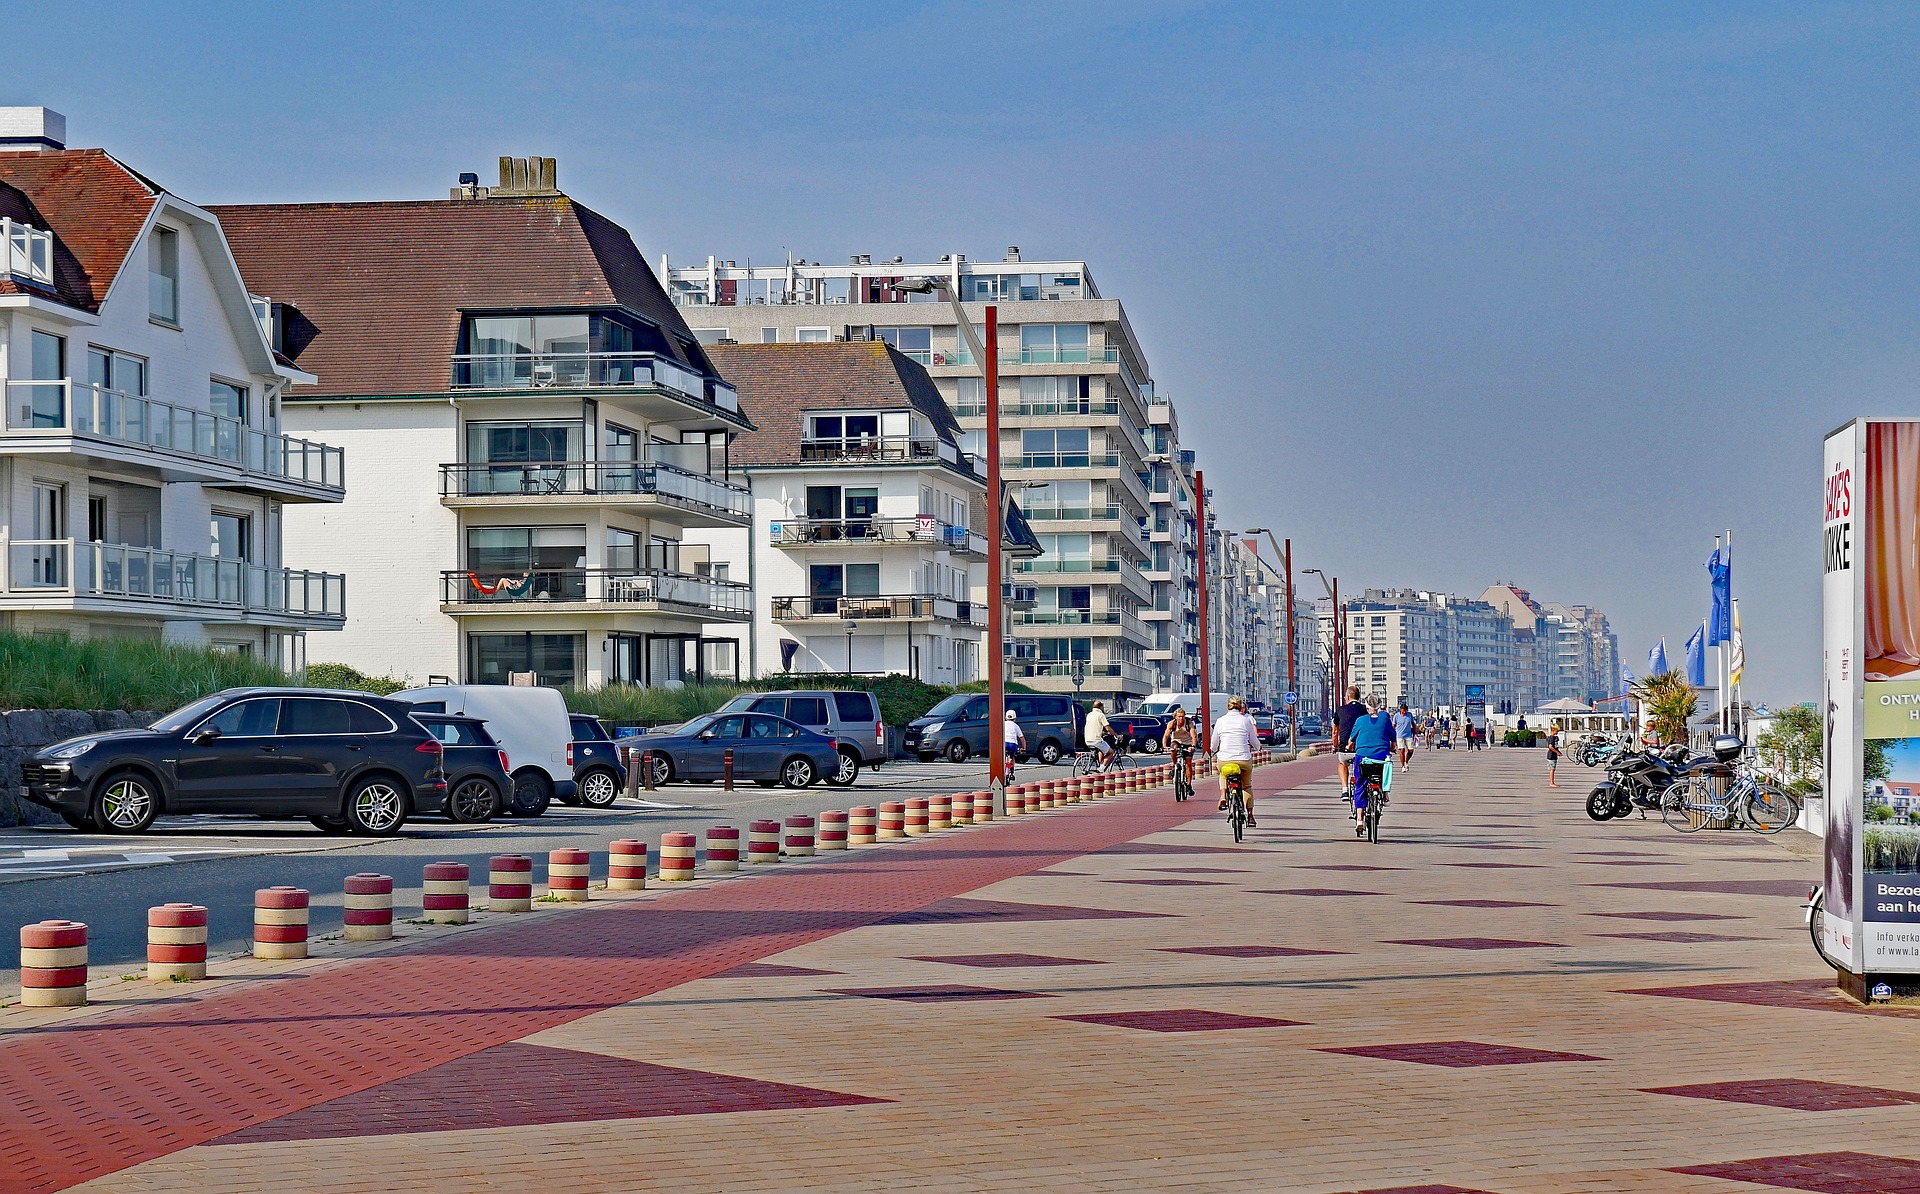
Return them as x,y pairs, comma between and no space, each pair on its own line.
1372,741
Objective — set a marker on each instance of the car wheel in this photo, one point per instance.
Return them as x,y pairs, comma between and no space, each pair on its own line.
532,793
1151,746
1049,752
80,821
849,769
798,772
662,770
599,788
376,807
956,751
472,802
329,824
126,803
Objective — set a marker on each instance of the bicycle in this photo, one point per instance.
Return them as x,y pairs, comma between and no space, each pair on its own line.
1182,783
1087,762
1373,778
1237,804
1692,804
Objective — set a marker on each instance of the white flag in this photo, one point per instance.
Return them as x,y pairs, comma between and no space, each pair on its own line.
1737,657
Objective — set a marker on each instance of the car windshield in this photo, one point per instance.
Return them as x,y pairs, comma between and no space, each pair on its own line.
1154,710
698,724
950,706
186,715
739,704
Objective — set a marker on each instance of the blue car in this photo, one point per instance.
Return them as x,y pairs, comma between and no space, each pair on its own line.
766,749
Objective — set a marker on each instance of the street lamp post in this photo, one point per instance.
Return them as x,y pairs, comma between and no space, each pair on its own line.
1293,711
1339,635
851,627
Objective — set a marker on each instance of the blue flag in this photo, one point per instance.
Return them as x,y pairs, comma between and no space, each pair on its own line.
1720,572
1657,658
1626,681
1697,657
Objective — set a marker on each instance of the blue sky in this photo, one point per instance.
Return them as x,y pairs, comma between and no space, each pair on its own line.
1454,292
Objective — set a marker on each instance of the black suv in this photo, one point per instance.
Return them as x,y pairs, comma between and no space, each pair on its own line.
347,761
597,771
475,767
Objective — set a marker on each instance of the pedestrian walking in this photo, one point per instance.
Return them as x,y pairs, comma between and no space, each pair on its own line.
1403,735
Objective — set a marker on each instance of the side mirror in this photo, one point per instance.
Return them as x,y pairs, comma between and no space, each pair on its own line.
206,737
706,735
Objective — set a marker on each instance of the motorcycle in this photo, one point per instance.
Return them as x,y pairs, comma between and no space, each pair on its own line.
1639,779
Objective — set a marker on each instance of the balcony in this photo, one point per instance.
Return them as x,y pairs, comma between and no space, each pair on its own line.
1060,354
183,443
1127,675
1021,650
1067,565
884,449
922,531
1017,597
905,608
596,590
29,252
112,577
1038,410
678,495
590,370
1072,513
1127,622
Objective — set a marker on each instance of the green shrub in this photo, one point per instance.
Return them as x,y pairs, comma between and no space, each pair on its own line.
1879,813
57,672
340,675
1519,738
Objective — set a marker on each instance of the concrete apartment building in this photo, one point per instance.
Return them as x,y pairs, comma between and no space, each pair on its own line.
1560,651
1075,396
545,431
1424,648
1172,614
144,475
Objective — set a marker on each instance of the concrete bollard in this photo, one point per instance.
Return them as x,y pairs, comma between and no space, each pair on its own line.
763,842
961,812
677,852
176,943
626,865
798,842
893,820
939,812
368,907
53,964
1045,794
444,895
833,831
723,849
510,883
568,873
1016,799
983,806
279,924
916,817
863,824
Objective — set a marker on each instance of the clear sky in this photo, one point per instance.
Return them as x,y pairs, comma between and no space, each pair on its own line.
1454,293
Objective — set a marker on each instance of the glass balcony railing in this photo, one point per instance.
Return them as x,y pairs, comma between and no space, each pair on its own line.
1129,673
69,568
600,478
1062,564
1072,513
883,449
79,408
1059,354
28,252
587,370
1018,596
924,530
534,587
877,607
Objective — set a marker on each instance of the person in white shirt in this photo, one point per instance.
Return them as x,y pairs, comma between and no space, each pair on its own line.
1094,737
1233,742
1016,741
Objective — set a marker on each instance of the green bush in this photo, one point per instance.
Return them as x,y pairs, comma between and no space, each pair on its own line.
1879,813
1519,738
57,672
340,675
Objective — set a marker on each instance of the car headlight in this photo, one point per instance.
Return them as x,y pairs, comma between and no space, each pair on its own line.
71,750
932,729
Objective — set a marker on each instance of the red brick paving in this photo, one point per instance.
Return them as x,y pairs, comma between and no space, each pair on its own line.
1796,1094
772,970
1811,994
1461,1054
1824,1173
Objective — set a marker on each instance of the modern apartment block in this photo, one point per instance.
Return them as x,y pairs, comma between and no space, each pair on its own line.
1172,614
1563,651
144,475
1425,648
1074,395
869,532
546,432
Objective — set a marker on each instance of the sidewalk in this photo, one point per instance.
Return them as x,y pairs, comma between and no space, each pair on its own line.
1501,996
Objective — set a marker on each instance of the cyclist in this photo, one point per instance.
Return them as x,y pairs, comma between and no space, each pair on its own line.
1343,719
1094,737
1180,739
1016,742
1371,741
1234,739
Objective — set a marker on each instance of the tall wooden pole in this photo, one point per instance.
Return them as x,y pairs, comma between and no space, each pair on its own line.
1206,642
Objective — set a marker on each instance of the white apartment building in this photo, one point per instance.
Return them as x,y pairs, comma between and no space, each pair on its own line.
144,476
1424,648
1172,614
869,533
1074,394
545,431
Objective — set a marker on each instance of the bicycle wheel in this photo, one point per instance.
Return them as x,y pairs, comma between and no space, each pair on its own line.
1123,762
1083,764
1684,807
1373,820
1236,814
1769,809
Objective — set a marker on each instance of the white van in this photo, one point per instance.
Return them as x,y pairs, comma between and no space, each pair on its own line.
530,724
1162,704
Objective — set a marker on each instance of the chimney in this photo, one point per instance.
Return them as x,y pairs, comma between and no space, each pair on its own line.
1013,253
527,177
32,128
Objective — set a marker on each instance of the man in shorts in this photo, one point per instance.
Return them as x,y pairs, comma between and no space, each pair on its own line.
1235,738
1343,719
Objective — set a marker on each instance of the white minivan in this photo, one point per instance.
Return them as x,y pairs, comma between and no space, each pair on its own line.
530,724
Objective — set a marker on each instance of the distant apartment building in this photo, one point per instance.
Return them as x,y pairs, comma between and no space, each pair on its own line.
1425,648
1074,394
144,473
1172,613
542,428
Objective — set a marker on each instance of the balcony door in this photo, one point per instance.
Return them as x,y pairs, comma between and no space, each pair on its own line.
46,365
828,583
525,457
526,563
47,556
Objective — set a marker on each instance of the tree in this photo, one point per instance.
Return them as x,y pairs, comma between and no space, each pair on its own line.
1791,749
1873,760
1879,812
1669,702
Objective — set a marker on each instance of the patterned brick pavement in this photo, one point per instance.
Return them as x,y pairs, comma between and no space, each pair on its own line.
965,1013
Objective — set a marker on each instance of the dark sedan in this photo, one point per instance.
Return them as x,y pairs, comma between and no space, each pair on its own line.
1146,732
475,766
766,749
347,761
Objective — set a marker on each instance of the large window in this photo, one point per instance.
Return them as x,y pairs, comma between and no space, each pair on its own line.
1066,547
163,275
232,536
914,342
48,364
1065,650
1057,500
117,371
843,580
560,349
1053,343
1062,448
227,399
1054,395
545,561
847,427
555,659
524,443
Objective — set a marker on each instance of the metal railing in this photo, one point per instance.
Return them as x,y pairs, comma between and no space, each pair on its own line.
882,449
1069,460
70,568
1018,596
591,370
81,408
538,586
926,530
29,252
607,478
1130,672
1071,513
855,609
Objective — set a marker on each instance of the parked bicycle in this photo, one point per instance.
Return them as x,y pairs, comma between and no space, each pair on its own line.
1742,800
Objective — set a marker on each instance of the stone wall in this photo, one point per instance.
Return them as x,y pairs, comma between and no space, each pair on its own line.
24,731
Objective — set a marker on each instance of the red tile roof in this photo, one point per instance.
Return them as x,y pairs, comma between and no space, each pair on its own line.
778,382
379,287
95,207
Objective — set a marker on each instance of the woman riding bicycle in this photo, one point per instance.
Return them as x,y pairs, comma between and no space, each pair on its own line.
1372,742
1180,739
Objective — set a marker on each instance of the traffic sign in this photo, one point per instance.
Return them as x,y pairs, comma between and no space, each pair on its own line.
1293,698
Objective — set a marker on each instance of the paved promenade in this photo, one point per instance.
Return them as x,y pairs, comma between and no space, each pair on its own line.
1500,996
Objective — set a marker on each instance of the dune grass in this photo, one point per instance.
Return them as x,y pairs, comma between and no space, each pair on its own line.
55,672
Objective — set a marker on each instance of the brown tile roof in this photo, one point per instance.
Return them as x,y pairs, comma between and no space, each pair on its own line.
94,206
778,382
379,287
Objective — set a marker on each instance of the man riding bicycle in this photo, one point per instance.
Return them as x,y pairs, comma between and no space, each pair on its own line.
1371,742
1233,742
1095,736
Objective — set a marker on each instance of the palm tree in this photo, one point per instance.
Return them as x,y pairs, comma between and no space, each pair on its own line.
1669,701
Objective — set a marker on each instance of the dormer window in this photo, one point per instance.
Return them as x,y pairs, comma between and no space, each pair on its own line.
849,427
163,276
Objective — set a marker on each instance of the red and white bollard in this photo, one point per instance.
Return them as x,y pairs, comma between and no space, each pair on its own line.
176,943
510,883
627,865
1016,799
833,831
798,842
444,895
893,820
723,849
279,924
962,810
568,873
939,812
863,825
677,852
368,907
916,817
53,964
983,806
763,842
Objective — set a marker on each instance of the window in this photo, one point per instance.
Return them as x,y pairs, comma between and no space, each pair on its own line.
1066,547
843,580
1063,448
913,342
623,549
812,335
854,706
227,399
555,659
48,363
96,519
769,335
709,335
1059,499
970,396
622,444
548,556
518,443
163,275
110,370
310,715
1053,343
1054,395
1065,650
256,718
232,535
808,711
852,427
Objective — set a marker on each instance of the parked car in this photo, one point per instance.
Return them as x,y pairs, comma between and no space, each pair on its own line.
1309,727
767,750
347,761
1265,724
597,769
850,715
956,728
530,724
476,768
1146,732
